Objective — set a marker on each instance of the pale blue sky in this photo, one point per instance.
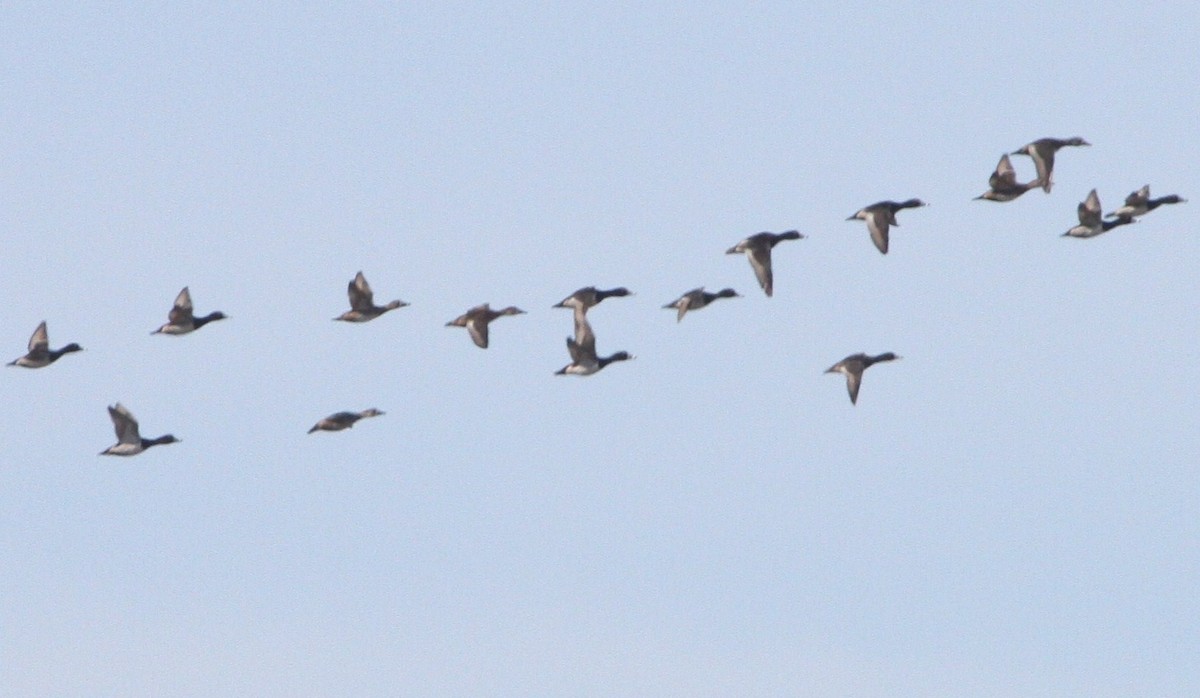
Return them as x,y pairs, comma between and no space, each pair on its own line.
1010,510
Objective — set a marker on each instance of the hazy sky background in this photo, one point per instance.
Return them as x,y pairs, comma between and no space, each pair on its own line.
1010,510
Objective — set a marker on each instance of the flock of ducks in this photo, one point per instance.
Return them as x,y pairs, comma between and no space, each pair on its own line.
1003,186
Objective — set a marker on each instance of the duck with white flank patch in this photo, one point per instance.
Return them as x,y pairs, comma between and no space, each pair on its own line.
585,298
582,348
40,354
1003,184
758,248
590,297
129,440
180,319
476,321
362,302
880,216
1139,203
853,366
1042,151
1090,223
696,299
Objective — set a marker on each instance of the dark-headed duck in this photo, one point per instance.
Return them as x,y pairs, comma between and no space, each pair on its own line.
476,321
180,319
758,248
853,366
1004,185
40,354
1139,203
1090,222
696,299
129,440
1042,151
880,216
362,302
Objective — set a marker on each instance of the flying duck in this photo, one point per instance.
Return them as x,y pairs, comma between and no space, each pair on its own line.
582,348
853,366
362,302
1003,184
40,354
129,441
879,216
696,299
758,248
590,297
343,420
1042,151
476,321
1090,223
1139,203
180,319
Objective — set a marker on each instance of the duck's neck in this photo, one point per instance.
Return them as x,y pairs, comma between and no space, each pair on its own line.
199,322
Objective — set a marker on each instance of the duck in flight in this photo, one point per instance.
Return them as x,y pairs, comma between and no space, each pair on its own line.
1003,184
582,348
1042,151
129,440
476,321
696,299
362,302
1139,203
853,366
1090,222
590,297
180,319
343,420
40,354
880,216
758,248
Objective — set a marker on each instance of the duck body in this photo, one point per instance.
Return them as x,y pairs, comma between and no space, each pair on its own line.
594,364
1003,184
589,297
1042,151
1139,203
696,299
1090,222
853,366
343,420
181,320
129,439
582,349
880,216
758,248
362,302
477,319
39,353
